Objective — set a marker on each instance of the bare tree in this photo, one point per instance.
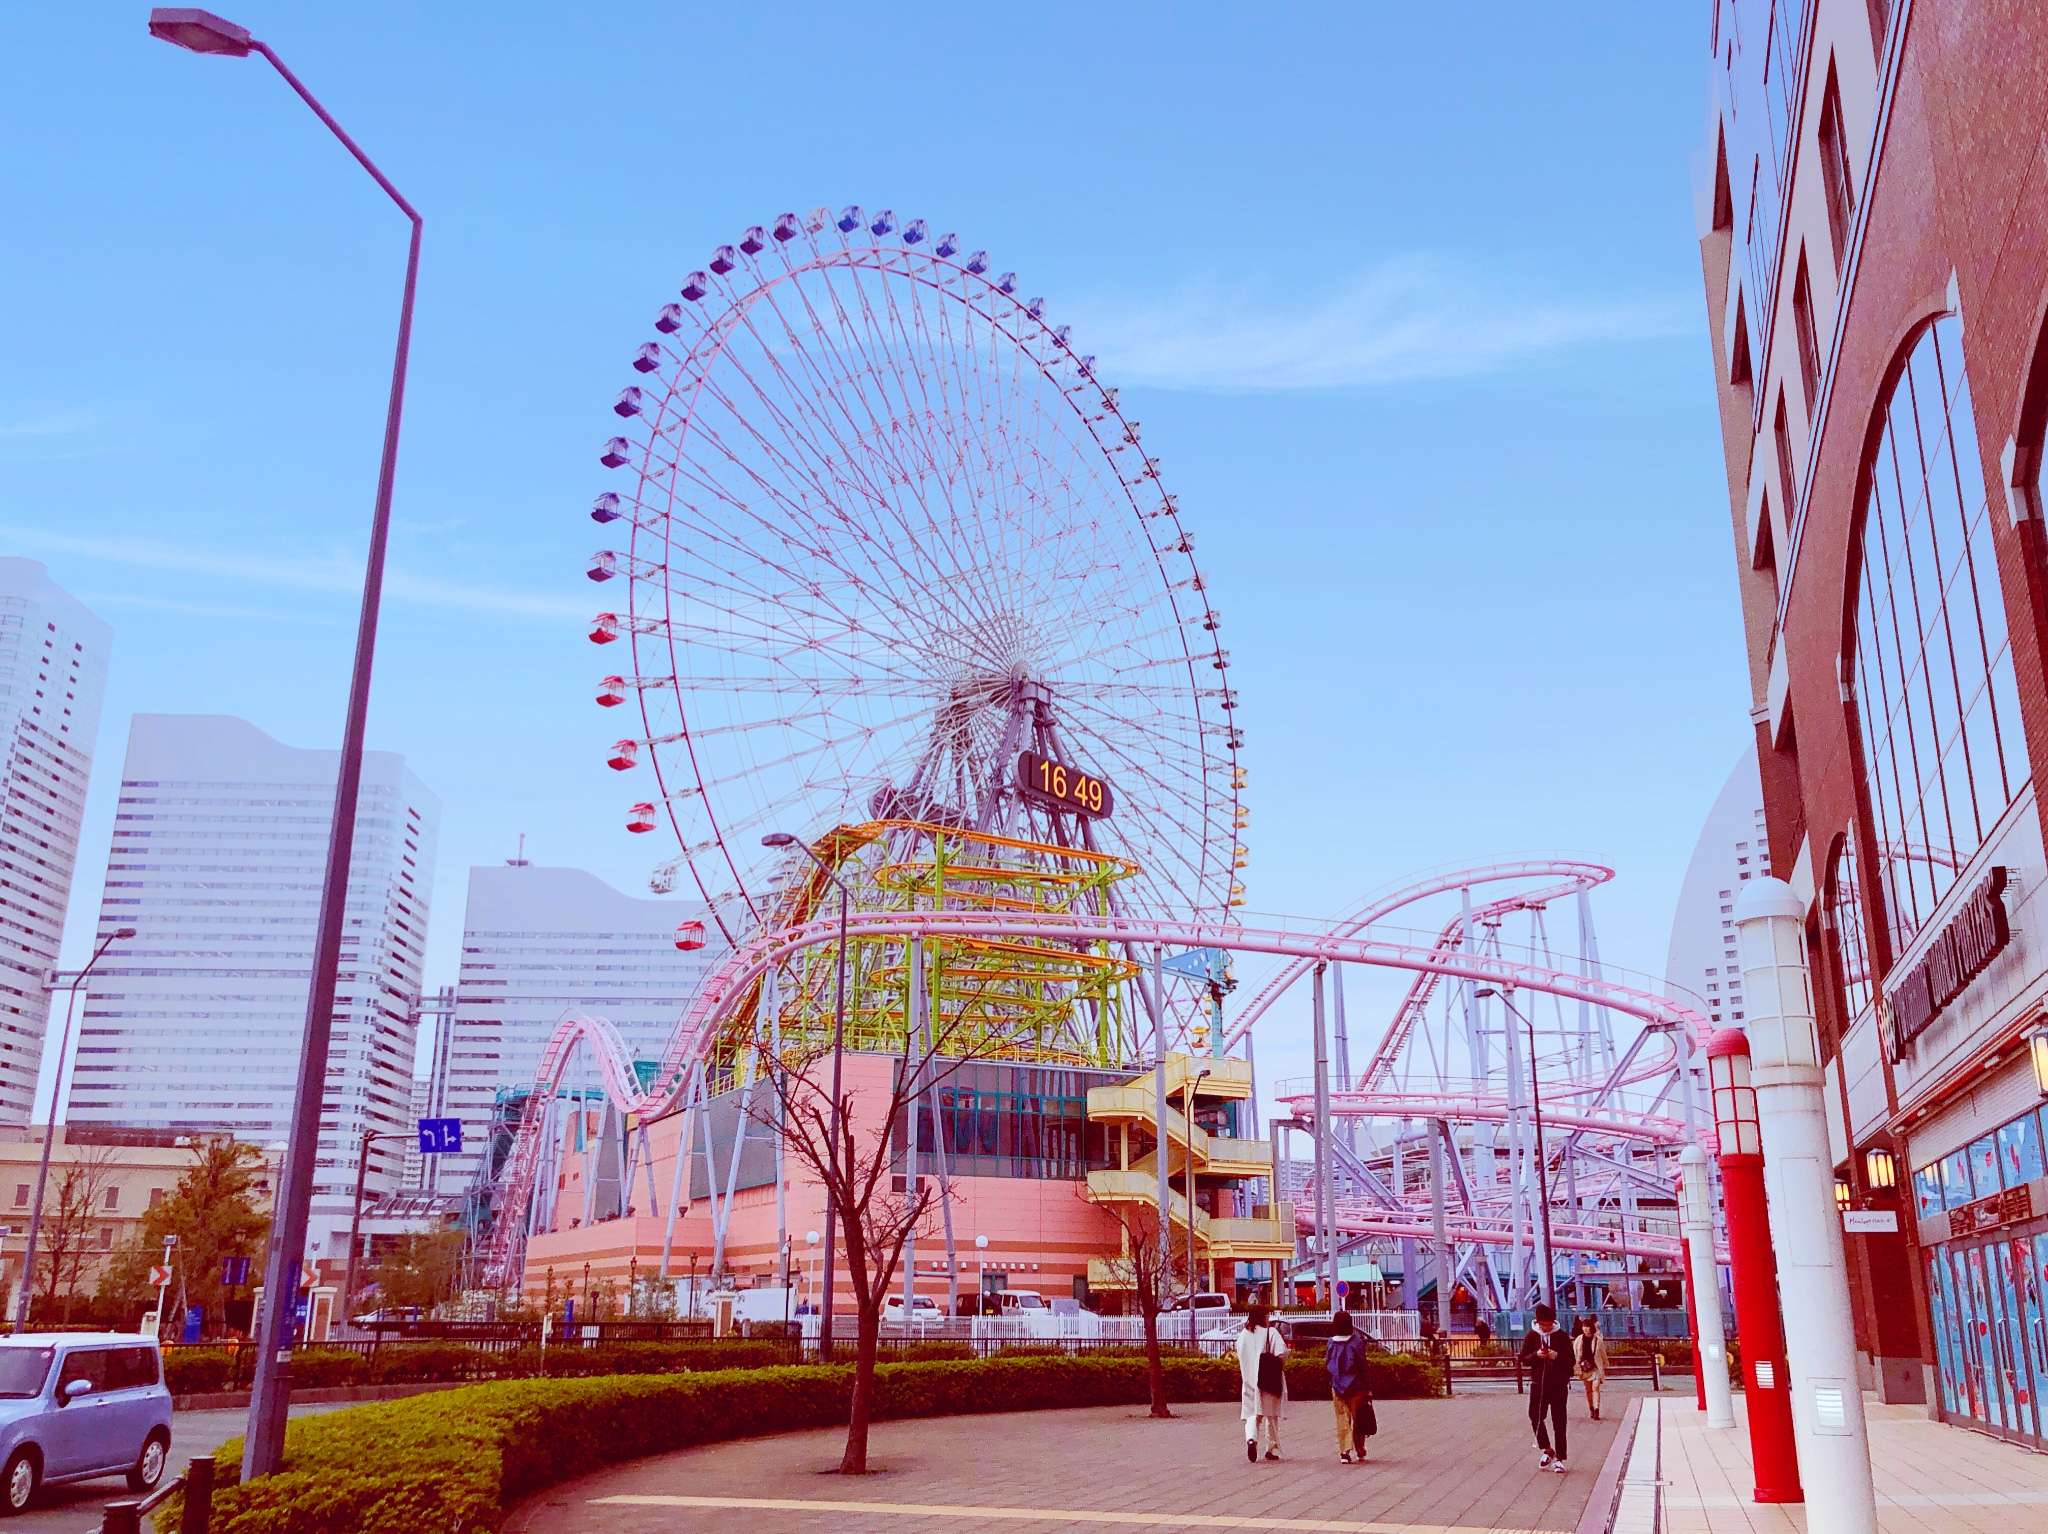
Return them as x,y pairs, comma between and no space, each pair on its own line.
875,1217
1152,1277
66,1242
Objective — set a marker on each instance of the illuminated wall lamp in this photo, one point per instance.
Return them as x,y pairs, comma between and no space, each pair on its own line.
1881,1167
1842,1194
2037,1050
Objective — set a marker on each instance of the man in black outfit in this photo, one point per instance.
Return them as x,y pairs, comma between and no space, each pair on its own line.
1547,1354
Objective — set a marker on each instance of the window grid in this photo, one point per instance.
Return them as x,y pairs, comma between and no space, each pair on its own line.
1940,715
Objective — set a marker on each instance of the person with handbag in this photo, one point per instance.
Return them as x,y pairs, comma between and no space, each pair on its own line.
1350,1395
1262,1369
1589,1353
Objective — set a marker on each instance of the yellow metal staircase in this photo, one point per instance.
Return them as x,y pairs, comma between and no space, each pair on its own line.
1133,1106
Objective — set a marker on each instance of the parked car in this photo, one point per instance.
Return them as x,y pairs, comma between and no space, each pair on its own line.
923,1310
77,1405
1205,1305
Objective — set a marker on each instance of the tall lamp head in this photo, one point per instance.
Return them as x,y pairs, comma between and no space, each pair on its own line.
199,31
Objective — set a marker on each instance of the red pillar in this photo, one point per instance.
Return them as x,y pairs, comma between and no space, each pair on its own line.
1760,1329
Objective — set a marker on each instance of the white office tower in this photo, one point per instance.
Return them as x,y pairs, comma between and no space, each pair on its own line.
220,845
537,942
53,675
1732,849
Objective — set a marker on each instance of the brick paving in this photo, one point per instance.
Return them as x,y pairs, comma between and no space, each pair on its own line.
1459,1464
1931,1478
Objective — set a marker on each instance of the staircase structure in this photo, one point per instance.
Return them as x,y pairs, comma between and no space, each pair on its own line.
1223,1172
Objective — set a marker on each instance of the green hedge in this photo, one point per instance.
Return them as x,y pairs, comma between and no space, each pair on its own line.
192,1371
457,1461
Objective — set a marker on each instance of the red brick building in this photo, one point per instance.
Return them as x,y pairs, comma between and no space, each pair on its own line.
1873,208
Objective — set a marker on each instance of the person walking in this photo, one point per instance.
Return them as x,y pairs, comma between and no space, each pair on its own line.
1350,1394
1261,1368
1547,1354
1589,1358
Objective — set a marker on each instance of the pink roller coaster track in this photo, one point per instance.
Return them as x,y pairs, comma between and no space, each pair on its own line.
1351,943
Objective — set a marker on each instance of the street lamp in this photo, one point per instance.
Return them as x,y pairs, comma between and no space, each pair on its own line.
1696,1221
1813,1281
355,1223
1506,993
1753,1268
784,839
35,1218
200,31
1187,1113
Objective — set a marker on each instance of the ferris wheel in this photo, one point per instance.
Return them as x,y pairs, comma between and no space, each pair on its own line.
890,548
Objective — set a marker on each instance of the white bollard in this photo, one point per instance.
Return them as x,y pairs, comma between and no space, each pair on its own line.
1799,1182
1710,1347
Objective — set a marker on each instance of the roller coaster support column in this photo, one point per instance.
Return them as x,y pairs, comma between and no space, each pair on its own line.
1437,1156
1709,1349
1155,1002
1827,1405
1326,1202
1754,1270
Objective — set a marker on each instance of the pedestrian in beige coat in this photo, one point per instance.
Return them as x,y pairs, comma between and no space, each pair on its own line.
1589,1358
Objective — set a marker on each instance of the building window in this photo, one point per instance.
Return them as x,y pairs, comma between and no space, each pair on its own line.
21,1192
1850,952
1834,168
1781,439
1809,339
113,1198
1933,673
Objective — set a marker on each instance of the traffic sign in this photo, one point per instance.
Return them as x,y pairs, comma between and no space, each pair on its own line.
440,1136
160,1276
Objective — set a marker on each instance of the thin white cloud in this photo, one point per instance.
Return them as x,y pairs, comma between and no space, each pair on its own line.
1406,319
340,577
98,599
63,424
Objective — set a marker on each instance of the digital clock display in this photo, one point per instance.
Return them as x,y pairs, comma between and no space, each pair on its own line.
1059,786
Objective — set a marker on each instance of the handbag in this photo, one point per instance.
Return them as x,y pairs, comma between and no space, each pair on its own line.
1272,1372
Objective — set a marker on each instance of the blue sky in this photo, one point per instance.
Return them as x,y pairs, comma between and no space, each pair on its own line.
1407,298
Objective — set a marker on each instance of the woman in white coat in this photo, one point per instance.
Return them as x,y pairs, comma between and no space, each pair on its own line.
1259,1341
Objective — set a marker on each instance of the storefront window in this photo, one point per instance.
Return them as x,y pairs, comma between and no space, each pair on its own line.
1927,1190
1984,1167
1955,1180
1934,679
2019,1151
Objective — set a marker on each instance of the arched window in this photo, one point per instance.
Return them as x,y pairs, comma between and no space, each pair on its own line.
1845,931
1934,678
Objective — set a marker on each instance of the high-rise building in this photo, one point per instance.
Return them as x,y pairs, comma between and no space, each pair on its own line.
1733,847
53,675
219,849
536,943
1870,206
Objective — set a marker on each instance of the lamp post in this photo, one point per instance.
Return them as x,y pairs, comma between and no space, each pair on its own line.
1506,994
1753,1269
1710,1354
355,1223
784,839
1187,1113
35,1217
202,32
1813,1278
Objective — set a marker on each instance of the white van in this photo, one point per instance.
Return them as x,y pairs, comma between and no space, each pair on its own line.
764,1304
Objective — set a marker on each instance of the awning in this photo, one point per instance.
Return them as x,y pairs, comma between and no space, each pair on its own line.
1362,1273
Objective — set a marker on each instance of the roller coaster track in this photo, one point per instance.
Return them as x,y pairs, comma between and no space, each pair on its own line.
733,984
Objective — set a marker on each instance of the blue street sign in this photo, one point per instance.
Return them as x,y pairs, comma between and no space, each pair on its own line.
440,1136
234,1271
195,1318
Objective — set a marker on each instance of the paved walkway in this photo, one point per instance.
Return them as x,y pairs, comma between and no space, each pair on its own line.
1931,1478
1460,1464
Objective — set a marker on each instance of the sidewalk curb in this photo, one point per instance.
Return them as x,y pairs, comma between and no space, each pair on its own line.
1598,1517
223,1400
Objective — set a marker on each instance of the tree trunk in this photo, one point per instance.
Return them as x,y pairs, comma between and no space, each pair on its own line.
855,1459
1155,1368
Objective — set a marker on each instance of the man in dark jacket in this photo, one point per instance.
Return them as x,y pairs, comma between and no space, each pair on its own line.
1547,1354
